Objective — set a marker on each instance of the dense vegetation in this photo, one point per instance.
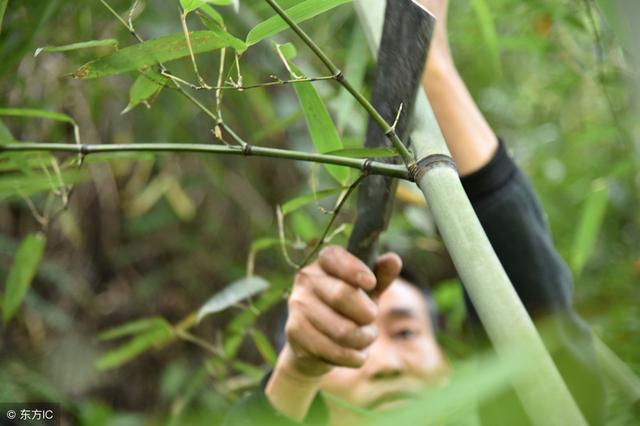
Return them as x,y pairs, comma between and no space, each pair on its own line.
108,325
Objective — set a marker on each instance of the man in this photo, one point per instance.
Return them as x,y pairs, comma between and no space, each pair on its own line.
367,339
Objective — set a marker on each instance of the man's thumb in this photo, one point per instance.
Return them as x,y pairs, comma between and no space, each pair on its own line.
387,268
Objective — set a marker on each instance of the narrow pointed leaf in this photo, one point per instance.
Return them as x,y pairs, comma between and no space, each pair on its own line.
489,33
36,113
133,327
232,294
589,225
299,13
296,203
3,7
145,87
152,52
324,134
21,274
365,152
5,134
76,46
264,347
155,336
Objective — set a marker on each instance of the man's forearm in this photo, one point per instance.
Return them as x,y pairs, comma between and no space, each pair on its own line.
470,139
289,392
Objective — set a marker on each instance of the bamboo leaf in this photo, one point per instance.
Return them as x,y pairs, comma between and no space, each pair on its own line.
489,33
324,134
232,294
21,274
146,86
299,13
365,152
3,7
154,336
5,134
264,347
210,14
589,225
37,113
296,203
152,52
133,327
75,46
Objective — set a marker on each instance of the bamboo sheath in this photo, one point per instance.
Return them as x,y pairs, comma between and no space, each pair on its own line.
541,389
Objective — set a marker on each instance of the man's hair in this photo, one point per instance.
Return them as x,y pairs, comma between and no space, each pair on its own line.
410,276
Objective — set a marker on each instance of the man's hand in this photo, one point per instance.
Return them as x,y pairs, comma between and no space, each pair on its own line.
331,314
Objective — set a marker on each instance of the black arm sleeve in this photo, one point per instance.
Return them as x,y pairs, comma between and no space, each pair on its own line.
254,409
515,224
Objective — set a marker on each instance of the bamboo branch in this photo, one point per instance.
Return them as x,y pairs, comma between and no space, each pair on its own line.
363,164
389,131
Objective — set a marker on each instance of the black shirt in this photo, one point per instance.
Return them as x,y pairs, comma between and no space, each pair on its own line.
514,222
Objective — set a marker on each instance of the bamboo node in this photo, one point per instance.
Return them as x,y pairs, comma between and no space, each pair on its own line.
418,169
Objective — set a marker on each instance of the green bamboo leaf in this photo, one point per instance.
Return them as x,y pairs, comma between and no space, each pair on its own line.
365,152
75,46
15,186
21,274
5,134
232,294
191,5
489,33
155,336
296,203
152,52
321,127
133,327
3,7
264,347
298,13
589,225
146,86
37,113
210,14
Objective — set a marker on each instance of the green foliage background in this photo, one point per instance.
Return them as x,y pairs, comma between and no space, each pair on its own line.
148,239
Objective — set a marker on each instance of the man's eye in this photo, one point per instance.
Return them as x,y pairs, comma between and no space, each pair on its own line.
406,333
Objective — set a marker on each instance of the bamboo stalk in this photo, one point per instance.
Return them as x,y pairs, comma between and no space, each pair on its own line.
363,164
541,389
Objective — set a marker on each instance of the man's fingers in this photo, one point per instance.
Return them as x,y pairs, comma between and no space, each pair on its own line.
341,330
302,335
351,302
387,268
338,262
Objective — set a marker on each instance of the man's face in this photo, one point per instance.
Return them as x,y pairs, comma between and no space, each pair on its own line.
403,360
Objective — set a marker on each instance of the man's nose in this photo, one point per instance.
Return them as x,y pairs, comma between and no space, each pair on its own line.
384,362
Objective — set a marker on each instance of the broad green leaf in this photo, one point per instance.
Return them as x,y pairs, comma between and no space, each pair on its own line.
75,46
3,7
264,347
154,336
146,86
37,113
298,13
21,274
489,33
303,200
589,225
163,49
232,294
134,327
365,152
321,128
